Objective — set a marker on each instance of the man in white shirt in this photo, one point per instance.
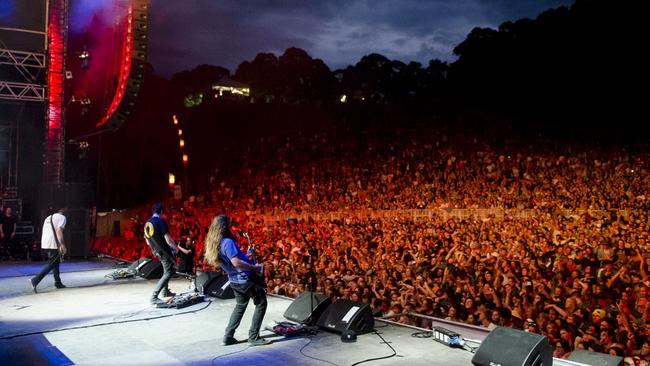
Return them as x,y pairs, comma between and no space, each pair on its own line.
53,246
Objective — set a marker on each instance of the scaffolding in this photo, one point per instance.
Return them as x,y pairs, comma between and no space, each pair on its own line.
25,84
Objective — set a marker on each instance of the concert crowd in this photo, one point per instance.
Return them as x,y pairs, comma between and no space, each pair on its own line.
573,268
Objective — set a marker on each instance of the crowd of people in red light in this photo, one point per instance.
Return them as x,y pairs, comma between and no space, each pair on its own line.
574,268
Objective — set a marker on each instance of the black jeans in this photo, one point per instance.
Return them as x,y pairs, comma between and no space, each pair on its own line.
168,263
243,293
7,246
53,260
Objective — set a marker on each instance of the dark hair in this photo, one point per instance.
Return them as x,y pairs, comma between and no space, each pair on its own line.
157,208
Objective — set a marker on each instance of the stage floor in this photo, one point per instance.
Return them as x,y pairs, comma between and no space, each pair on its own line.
99,321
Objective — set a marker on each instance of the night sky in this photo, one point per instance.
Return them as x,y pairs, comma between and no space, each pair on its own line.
184,34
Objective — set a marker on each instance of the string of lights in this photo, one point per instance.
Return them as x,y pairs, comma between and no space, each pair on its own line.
183,153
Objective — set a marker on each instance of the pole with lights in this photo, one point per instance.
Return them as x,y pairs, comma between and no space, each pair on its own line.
184,156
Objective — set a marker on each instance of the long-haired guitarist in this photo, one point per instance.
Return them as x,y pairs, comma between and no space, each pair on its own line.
221,250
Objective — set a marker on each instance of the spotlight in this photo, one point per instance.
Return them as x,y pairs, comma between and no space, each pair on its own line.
84,56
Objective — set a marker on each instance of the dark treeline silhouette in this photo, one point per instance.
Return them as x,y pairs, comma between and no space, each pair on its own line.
584,62
575,70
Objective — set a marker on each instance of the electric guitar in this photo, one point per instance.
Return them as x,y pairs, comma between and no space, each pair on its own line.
256,278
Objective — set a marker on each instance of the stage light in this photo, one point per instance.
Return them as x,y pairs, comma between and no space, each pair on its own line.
84,56
175,120
180,132
182,143
172,180
185,159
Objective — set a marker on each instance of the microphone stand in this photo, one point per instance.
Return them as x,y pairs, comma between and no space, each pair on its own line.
312,274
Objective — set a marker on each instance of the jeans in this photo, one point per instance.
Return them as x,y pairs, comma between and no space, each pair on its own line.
7,246
243,293
168,263
53,260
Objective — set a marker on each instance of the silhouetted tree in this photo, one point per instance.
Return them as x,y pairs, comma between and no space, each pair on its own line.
583,62
262,75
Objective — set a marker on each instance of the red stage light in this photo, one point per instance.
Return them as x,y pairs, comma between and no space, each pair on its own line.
127,52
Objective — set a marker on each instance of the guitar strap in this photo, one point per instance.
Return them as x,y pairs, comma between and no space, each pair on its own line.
56,238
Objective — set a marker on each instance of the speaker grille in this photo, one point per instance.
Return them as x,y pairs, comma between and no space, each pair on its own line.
512,347
346,314
301,310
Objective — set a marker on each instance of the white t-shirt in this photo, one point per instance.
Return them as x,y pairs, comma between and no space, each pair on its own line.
47,239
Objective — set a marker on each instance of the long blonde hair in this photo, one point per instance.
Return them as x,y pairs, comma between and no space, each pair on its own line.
219,229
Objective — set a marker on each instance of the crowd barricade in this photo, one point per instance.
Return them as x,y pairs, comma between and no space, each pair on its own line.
443,213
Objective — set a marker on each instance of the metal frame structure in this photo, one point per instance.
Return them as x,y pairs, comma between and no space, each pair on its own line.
29,65
27,86
22,91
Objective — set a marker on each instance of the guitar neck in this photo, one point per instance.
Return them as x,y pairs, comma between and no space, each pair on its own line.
252,248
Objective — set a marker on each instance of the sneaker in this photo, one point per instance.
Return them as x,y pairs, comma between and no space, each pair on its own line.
33,286
155,301
228,341
168,294
259,342
60,285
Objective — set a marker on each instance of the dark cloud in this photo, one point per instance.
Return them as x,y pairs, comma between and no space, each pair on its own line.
227,32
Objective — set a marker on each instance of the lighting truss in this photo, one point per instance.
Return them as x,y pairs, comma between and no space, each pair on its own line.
29,65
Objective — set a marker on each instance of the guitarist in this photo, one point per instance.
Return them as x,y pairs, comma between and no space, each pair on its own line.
52,243
156,233
221,250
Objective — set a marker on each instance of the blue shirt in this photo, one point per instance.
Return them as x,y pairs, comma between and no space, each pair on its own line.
228,251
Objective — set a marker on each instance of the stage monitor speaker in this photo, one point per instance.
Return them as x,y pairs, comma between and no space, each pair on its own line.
347,315
202,278
150,269
219,286
301,310
512,347
595,358
133,267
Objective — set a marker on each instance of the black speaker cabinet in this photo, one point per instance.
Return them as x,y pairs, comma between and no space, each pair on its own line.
149,268
219,286
512,347
347,315
202,277
595,358
133,267
301,309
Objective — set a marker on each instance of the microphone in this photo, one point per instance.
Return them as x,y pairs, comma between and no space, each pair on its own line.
292,220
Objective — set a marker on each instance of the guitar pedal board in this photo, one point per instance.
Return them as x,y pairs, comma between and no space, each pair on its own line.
181,301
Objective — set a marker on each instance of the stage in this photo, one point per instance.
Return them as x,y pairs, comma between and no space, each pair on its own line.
101,321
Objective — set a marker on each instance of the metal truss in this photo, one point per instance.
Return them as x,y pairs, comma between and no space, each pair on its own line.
27,63
22,91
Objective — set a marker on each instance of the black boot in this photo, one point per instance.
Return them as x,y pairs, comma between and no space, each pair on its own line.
154,299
